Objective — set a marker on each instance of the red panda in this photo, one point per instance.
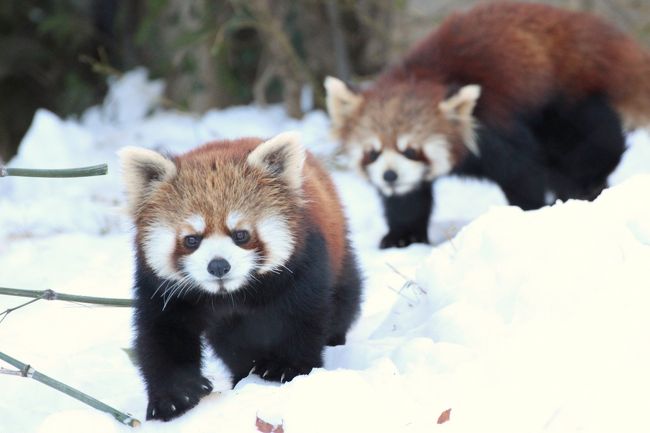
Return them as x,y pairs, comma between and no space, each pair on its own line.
243,242
534,97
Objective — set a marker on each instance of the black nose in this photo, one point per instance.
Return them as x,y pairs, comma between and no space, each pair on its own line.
390,176
218,267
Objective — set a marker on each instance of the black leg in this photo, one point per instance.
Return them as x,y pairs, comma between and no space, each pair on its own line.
408,216
281,339
168,348
346,300
514,162
277,353
584,143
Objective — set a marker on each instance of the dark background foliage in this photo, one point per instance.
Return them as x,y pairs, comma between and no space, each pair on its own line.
56,54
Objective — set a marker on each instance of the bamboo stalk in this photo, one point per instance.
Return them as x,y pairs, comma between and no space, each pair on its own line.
51,295
95,170
28,371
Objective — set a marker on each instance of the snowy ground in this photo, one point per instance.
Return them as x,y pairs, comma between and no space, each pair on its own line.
522,322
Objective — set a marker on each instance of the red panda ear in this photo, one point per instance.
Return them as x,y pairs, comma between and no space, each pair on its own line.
142,171
282,156
461,104
341,103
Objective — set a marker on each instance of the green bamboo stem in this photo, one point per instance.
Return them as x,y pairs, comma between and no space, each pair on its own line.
95,170
28,371
51,295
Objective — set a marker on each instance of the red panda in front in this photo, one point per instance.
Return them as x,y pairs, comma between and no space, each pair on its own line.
533,97
243,242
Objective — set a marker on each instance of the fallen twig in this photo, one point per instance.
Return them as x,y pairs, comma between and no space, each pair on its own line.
26,370
408,286
407,281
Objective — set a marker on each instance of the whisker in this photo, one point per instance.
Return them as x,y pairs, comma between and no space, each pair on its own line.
275,269
174,288
159,286
179,289
186,286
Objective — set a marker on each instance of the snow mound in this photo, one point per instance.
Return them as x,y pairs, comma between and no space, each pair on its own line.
551,309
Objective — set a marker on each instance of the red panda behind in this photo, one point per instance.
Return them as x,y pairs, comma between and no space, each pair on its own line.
531,96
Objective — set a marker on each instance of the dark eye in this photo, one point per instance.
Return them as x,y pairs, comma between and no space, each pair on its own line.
411,153
192,242
373,155
241,236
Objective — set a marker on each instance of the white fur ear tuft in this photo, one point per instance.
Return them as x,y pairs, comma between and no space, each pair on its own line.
341,102
283,156
142,170
462,103
459,108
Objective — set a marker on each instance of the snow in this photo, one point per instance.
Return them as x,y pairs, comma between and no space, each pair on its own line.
517,321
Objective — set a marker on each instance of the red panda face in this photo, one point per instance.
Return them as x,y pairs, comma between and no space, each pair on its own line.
399,166
219,216
404,134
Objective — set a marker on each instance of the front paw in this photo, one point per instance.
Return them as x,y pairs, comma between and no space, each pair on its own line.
402,240
177,397
277,371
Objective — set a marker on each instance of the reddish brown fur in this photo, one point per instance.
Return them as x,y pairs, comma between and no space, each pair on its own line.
523,54
323,207
392,108
215,179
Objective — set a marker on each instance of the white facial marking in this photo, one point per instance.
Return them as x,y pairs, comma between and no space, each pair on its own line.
197,223
375,143
279,242
241,262
357,149
159,243
403,141
233,220
437,151
409,173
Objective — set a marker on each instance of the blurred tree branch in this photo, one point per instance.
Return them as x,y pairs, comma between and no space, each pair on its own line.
287,64
341,55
